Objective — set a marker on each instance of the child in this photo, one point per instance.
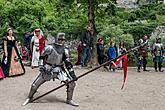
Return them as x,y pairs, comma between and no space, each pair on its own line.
112,53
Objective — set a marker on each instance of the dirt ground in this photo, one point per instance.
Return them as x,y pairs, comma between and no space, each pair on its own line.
99,90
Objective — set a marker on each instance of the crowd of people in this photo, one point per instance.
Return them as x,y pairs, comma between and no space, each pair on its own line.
13,52
11,64
85,47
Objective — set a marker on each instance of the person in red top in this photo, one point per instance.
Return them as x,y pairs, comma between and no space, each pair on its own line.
79,50
37,45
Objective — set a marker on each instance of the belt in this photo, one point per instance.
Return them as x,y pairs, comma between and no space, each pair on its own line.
54,65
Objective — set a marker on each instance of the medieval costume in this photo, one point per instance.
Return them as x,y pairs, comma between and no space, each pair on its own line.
11,62
142,53
37,45
79,50
56,55
158,51
1,72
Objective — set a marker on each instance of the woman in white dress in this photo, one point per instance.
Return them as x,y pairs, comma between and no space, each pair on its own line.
37,45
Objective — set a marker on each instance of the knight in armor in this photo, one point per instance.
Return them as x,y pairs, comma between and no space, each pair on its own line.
143,53
55,56
158,51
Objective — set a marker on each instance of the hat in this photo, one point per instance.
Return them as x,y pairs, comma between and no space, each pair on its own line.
37,30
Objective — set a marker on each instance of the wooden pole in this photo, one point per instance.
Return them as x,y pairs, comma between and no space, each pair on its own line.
106,63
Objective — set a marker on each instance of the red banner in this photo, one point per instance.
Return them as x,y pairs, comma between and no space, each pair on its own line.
124,65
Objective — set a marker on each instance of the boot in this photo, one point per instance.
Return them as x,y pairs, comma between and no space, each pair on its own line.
144,68
30,96
138,69
161,70
160,67
28,100
71,102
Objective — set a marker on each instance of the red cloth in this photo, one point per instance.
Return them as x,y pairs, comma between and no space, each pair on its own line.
79,50
41,44
1,73
124,69
117,61
124,58
37,30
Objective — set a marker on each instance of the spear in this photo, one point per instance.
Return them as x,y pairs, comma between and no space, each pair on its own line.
90,71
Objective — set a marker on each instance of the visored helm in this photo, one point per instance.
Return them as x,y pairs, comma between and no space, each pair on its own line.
60,39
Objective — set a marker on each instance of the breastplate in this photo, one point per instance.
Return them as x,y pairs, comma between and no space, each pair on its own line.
56,55
158,50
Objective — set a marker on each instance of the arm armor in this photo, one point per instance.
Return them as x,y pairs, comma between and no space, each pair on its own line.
69,65
46,51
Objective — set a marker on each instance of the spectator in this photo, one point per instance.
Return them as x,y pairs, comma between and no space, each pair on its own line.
27,41
122,50
11,62
37,45
112,53
158,51
87,45
100,51
143,53
79,50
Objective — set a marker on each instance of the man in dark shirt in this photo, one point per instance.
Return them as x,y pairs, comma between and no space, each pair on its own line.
87,45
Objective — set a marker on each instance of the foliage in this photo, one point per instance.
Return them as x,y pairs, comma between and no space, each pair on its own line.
70,16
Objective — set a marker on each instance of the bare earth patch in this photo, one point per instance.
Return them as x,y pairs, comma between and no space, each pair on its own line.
99,90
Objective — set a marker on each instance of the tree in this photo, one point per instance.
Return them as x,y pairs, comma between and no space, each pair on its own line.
91,21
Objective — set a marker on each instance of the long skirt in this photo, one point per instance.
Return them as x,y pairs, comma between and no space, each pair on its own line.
12,64
1,73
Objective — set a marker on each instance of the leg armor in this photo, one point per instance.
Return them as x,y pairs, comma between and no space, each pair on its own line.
35,85
70,89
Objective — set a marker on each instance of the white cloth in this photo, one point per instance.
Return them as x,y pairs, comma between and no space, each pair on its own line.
35,54
57,73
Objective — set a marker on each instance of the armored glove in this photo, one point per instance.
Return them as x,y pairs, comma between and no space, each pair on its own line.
42,69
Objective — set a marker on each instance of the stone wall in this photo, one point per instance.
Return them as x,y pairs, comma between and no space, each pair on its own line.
127,3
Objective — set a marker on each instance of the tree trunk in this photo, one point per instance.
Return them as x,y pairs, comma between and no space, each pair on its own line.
91,21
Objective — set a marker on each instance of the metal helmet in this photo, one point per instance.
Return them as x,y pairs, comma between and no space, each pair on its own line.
60,37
